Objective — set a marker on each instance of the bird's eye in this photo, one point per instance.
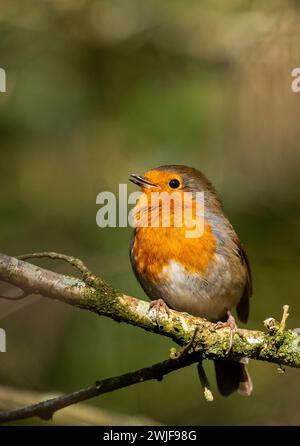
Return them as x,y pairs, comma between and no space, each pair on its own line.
174,184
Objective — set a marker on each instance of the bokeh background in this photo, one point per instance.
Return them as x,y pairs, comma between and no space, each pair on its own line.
97,89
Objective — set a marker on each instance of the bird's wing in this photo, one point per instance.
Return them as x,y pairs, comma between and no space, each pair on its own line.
242,308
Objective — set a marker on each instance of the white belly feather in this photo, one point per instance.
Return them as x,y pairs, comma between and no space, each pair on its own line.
208,297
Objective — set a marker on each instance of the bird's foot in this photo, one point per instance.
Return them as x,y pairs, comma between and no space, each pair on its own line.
158,305
231,324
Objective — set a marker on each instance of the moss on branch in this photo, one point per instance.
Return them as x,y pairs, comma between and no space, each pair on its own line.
200,339
91,293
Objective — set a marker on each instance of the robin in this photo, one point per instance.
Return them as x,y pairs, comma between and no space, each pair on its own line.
206,275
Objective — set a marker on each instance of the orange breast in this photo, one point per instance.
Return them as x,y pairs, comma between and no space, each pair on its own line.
154,248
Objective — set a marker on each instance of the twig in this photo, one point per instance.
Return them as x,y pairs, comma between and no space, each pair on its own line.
174,354
77,263
285,316
22,296
204,383
46,409
80,414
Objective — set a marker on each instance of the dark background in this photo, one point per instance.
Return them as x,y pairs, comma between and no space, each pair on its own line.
99,89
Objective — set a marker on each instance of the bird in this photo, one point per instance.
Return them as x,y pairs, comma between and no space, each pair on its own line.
206,275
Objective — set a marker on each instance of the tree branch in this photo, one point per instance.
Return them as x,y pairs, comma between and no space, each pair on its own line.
46,409
80,414
93,294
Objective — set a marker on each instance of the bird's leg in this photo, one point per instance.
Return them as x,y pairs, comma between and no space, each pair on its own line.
158,305
230,323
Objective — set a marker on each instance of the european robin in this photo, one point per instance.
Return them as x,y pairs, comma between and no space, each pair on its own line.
206,275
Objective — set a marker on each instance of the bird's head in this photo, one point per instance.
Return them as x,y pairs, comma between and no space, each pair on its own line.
173,178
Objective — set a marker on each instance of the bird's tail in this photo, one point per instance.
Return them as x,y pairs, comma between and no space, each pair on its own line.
233,376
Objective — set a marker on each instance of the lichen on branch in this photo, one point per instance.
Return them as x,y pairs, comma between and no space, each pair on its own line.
199,338
92,293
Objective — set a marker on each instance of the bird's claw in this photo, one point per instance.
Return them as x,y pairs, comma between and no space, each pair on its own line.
232,325
158,305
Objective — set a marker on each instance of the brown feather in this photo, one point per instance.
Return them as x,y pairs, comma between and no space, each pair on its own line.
243,306
232,376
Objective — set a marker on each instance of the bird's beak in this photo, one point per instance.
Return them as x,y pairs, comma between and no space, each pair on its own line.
141,181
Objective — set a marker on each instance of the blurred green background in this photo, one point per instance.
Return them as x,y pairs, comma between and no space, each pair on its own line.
99,89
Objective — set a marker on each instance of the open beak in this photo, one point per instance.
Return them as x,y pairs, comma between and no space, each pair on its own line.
141,181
